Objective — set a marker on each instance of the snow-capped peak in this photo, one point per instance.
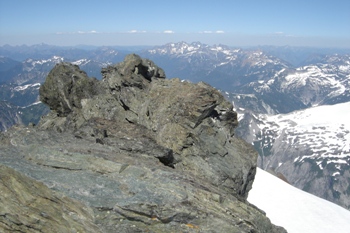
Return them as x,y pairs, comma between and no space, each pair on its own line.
29,64
81,62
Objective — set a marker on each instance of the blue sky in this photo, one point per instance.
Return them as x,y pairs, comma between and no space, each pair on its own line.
154,22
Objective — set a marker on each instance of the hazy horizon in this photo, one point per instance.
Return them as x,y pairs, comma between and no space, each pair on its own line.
136,46
237,23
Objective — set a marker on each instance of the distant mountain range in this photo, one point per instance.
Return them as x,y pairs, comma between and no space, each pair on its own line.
266,85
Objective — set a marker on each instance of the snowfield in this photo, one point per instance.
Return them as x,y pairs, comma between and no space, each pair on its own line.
296,210
325,130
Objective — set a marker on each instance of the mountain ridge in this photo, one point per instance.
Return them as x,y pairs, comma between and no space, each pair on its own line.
131,152
322,77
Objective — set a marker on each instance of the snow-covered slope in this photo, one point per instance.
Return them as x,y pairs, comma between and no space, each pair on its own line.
310,148
295,210
325,130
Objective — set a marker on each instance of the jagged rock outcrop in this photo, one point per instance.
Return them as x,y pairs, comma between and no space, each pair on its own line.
144,153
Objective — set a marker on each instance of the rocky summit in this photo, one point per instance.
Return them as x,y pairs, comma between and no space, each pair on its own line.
133,152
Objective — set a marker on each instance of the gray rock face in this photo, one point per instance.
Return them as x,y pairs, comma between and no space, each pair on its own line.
65,94
30,206
144,153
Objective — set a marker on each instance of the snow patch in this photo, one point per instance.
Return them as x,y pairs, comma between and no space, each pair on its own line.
294,209
24,87
325,130
81,62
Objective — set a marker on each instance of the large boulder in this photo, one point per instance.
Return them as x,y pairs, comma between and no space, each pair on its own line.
145,153
65,93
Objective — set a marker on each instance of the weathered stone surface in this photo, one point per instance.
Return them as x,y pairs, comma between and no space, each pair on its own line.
192,120
29,206
65,93
146,154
